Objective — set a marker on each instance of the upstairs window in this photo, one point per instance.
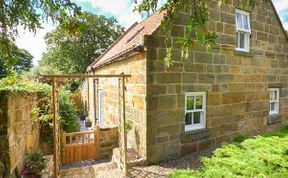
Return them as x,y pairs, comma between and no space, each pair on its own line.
195,110
274,101
243,31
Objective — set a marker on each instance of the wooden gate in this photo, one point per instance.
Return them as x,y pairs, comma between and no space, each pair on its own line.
79,146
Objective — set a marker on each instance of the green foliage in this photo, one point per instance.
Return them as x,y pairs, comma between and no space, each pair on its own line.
196,32
239,138
34,164
68,117
15,84
128,125
262,156
73,54
281,132
30,14
21,60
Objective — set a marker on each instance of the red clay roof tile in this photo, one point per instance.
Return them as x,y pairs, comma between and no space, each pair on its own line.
130,39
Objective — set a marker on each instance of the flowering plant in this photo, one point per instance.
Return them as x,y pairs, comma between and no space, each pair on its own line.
34,164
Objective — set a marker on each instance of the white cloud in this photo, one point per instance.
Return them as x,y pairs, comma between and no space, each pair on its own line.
281,5
282,9
33,43
122,10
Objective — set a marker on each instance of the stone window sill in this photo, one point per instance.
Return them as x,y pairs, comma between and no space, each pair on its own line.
194,135
243,53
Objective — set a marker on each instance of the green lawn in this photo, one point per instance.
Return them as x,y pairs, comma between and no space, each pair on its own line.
263,156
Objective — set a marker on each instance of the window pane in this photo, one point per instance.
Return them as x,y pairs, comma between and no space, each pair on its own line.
188,118
197,118
275,95
271,95
190,102
242,40
239,21
272,106
199,102
245,21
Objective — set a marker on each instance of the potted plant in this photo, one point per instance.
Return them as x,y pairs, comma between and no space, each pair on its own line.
33,165
88,122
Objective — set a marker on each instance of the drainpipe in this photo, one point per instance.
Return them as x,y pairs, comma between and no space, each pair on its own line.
94,100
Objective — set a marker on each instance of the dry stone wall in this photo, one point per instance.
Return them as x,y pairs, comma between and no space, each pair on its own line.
237,84
19,131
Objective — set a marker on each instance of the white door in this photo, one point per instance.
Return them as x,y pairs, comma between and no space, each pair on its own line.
100,107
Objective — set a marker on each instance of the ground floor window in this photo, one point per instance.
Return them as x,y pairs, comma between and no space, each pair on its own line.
195,110
274,101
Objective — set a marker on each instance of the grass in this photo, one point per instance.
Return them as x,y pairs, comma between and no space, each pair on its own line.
262,156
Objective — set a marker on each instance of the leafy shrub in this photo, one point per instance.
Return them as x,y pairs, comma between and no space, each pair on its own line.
15,84
258,157
34,164
68,115
239,138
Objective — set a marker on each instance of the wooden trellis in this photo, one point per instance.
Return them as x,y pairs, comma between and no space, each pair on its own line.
56,124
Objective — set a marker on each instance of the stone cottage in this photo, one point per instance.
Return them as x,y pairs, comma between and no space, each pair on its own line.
241,88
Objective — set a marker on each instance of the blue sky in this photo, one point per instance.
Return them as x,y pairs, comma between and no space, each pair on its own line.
122,10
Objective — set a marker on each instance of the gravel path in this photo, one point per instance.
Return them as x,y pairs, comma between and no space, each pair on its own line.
92,169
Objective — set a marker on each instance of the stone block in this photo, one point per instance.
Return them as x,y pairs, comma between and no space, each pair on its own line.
203,145
194,135
262,36
227,18
168,77
190,67
214,99
196,87
219,27
229,29
154,90
227,40
188,148
219,59
233,97
166,102
178,67
138,101
203,58
189,78
220,78
156,66
237,87
165,118
206,78
275,119
168,130
180,101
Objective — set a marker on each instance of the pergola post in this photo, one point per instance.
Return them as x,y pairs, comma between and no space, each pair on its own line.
56,129
124,129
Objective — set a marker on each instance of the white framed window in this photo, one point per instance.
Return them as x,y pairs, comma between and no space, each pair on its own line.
274,101
243,30
195,110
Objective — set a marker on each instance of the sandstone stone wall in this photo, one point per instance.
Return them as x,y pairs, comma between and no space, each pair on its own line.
108,141
19,131
134,65
237,84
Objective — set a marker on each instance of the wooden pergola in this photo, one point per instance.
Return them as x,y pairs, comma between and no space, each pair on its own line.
56,125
